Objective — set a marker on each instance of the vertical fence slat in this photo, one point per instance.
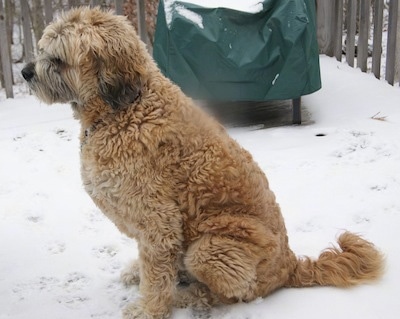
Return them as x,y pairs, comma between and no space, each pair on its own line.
339,30
326,26
26,27
362,46
351,31
397,57
48,11
73,3
119,9
391,42
5,55
141,20
377,39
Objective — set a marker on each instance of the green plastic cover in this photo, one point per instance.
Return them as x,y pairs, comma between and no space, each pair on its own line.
230,55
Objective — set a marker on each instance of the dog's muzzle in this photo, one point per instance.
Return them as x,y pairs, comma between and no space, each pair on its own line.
28,72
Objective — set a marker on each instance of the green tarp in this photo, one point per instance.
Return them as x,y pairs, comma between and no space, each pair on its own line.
224,54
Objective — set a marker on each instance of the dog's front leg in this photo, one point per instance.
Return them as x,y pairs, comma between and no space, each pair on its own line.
158,281
158,251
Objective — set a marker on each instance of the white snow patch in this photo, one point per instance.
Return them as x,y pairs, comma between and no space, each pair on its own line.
251,6
191,16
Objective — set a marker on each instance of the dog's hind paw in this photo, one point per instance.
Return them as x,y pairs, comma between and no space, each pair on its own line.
131,274
135,311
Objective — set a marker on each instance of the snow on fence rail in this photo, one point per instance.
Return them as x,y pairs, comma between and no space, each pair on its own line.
345,29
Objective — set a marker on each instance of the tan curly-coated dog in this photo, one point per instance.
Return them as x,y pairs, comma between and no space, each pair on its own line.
170,176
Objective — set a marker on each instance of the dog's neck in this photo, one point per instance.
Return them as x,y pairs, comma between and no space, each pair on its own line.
90,112
96,109
90,115
93,113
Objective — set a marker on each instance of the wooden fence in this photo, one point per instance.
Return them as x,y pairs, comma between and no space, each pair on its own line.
353,30
350,30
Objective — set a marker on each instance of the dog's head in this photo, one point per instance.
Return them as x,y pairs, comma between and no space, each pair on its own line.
88,53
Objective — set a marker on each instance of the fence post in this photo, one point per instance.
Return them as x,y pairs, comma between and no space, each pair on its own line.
397,73
119,9
26,26
326,26
141,20
362,45
5,55
391,42
351,18
48,11
377,45
73,3
339,30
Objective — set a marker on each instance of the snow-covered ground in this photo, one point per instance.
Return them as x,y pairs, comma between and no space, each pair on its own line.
60,258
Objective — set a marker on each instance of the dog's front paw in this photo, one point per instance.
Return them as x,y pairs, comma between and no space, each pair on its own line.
136,311
131,275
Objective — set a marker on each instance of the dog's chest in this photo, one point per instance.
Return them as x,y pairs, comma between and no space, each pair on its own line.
115,185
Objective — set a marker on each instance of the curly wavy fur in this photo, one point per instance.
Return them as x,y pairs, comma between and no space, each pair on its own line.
169,176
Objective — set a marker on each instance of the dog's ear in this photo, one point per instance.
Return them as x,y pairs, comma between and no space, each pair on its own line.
117,92
119,58
118,87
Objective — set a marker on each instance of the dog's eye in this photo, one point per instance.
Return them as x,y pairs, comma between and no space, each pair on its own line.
56,61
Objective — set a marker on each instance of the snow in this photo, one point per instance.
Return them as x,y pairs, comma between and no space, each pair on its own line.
61,258
190,15
250,6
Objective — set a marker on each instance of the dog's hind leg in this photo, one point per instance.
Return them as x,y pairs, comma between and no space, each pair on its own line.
226,266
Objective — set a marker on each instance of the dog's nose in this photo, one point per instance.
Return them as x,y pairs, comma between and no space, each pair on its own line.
28,71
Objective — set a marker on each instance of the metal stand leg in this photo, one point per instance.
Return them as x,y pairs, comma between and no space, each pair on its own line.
296,105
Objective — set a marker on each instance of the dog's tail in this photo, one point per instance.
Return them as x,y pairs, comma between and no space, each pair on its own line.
357,261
